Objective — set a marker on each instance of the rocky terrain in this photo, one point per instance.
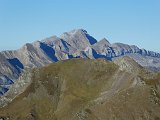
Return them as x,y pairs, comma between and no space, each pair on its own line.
84,89
74,44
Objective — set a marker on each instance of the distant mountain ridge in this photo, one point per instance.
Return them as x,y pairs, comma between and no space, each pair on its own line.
74,44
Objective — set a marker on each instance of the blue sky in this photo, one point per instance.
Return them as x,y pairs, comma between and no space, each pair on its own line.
127,21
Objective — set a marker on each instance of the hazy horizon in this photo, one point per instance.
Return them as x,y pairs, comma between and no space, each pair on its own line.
130,22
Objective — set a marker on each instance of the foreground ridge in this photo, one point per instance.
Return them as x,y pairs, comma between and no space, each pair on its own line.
85,89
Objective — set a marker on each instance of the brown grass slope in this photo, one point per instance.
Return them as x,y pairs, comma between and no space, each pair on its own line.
84,89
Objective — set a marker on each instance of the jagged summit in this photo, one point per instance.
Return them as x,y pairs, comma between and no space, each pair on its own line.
50,40
104,41
78,38
78,30
102,47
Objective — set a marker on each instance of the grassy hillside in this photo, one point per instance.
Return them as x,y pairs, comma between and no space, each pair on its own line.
84,89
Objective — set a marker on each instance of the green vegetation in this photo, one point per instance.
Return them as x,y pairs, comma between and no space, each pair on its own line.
72,90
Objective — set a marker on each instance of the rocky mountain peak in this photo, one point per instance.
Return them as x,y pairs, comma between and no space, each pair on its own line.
105,42
51,40
78,38
82,31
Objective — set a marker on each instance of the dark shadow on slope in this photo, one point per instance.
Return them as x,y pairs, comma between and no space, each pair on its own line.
16,64
65,44
3,90
49,51
4,80
91,39
96,55
84,54
71,56
1,93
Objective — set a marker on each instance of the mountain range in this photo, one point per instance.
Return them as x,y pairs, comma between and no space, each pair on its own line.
74,44
76,77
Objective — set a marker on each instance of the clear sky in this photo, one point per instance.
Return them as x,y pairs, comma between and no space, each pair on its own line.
127,21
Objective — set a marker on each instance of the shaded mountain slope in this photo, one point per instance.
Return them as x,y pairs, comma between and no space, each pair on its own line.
86,89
